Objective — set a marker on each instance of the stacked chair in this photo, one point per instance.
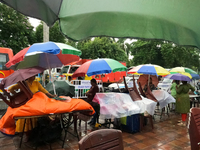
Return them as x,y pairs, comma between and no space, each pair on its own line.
135,96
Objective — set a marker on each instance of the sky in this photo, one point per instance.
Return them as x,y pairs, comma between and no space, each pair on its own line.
34,22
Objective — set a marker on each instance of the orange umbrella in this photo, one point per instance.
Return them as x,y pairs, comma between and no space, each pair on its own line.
143,79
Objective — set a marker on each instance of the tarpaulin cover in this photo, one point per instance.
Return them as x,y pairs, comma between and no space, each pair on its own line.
40,105
163,97
117,105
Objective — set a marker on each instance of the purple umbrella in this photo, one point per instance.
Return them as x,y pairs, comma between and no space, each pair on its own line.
178,76
20,75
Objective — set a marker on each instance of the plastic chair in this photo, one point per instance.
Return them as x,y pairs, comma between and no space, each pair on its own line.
194,128
134,94
104,139
19,98
141,91
84,118
149,94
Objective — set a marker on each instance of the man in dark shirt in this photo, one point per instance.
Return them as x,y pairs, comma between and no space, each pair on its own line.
90,95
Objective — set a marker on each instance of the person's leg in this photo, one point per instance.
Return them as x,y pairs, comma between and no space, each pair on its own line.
184,117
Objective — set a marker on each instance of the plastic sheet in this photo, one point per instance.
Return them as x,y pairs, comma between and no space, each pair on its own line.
163,97
117,105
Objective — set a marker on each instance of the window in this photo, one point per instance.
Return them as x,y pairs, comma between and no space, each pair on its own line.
3,61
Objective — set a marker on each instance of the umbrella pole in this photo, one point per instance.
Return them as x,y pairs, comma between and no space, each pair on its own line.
50,76
148,79
102,83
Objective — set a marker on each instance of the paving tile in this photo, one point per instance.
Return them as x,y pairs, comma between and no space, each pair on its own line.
140,145
166,135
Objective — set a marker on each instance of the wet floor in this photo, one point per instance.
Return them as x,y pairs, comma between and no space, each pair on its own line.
166,135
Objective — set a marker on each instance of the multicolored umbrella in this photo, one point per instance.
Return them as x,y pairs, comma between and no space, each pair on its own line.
99,66
149,69
185,71
178,76
152,19
45,55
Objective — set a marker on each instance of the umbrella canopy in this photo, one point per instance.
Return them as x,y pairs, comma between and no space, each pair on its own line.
185,71
149,69
99,66
45,55
63,88
143,79
178,76
176,21
20,75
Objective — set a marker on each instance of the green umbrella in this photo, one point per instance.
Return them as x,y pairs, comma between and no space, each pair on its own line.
172,20
62,88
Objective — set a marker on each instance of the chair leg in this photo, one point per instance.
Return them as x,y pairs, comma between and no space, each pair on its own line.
79,122
141,122
86,126
151,121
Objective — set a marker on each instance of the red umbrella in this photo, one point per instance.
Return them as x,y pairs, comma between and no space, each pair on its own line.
20,75
143,79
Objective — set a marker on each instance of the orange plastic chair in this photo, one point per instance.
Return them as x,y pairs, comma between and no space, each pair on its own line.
194,128
104,139
18,99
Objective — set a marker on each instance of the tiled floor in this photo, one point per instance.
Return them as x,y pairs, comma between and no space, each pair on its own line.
166,135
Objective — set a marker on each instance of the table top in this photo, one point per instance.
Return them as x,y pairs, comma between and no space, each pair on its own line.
193,96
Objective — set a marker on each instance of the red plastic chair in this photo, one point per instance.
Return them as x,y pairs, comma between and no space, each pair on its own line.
104,139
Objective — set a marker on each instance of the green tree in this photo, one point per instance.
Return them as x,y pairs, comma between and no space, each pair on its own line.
101,47
54,33
165,54
15,30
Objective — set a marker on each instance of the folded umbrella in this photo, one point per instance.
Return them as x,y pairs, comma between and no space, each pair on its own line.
62,88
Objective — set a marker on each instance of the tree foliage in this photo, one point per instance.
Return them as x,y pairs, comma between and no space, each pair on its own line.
163,53
100,47
15,30
54,33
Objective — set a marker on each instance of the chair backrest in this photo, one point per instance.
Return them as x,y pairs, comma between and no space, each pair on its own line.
135,88
19,98
103,139
133,94
141,91
149,94
194,128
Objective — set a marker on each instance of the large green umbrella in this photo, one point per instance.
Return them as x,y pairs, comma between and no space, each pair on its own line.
172,20
62,88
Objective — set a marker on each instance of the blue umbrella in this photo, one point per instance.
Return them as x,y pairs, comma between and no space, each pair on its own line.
178,76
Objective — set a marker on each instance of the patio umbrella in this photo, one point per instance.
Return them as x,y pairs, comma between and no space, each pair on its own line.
143,79
149,69
63,88
46,55
20,75
170,20
185,71
99,66
178,76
